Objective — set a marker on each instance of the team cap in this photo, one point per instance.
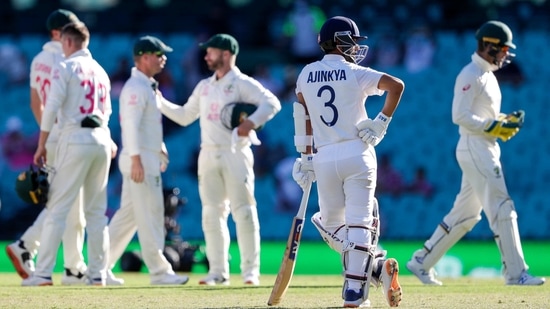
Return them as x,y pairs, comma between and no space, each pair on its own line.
222,41
150,44
59,18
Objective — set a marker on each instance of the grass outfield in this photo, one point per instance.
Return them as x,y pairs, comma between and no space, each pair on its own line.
306,291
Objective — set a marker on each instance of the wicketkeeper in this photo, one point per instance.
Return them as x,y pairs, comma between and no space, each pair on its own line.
476,111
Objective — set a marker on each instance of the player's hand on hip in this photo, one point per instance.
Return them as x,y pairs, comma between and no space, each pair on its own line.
373,131
302,171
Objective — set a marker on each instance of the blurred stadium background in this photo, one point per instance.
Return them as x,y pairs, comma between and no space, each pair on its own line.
424,42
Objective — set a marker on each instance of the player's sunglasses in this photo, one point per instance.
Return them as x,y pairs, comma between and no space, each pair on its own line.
157,53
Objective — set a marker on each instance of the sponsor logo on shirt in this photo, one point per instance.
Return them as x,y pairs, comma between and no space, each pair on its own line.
214,113
228,89
133,100
41,67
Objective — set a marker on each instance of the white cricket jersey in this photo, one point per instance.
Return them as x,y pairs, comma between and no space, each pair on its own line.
79,87
40,75
477,97
335,92
140,121
211,95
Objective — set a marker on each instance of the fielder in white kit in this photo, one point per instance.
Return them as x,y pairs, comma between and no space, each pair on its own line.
476,111
141,164
226,175
23,251
79,101
331,116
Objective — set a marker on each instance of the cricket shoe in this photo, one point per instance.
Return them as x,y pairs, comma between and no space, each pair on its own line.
426,276
392,288
69,278
21,259
169,279
213,279
527,279
354,299
37,281
112,280
251,280
95,281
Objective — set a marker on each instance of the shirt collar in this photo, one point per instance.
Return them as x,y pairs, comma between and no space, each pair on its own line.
83,52
53,46
334,57
483,64
149,80
233,72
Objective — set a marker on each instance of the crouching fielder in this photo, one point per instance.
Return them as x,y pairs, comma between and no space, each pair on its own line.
331,112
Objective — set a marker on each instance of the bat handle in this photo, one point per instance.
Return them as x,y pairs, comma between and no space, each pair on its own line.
305,199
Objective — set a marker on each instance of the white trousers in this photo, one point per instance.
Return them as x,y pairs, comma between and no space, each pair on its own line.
73,237
346,183
483,187
141,210
78,166
226,185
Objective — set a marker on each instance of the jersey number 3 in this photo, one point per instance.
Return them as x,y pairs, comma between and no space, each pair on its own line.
329,104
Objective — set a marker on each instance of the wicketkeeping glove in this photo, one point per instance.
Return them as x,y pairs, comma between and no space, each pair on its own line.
302,171
373,131
505,126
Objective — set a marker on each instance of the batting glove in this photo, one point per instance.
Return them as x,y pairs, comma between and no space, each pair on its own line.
373,131
302,171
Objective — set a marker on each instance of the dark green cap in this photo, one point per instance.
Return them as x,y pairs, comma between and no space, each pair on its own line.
60,18
150,44
222,41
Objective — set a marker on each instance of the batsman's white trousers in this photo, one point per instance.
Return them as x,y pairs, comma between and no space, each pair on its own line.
78,166
142,210
73,237
346,181
226,185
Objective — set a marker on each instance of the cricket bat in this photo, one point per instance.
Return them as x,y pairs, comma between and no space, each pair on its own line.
289,258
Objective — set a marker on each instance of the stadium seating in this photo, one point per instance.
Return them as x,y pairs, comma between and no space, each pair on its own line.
421,134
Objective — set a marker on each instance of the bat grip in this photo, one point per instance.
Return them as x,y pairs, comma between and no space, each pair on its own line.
305,199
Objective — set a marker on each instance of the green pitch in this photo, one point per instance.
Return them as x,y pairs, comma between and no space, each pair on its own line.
306,291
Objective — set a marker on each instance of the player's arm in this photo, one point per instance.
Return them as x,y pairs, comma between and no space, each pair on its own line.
304,143
186,114
372,131
36,105
132,106
268,104
466,91
302,171
55,99
394,88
